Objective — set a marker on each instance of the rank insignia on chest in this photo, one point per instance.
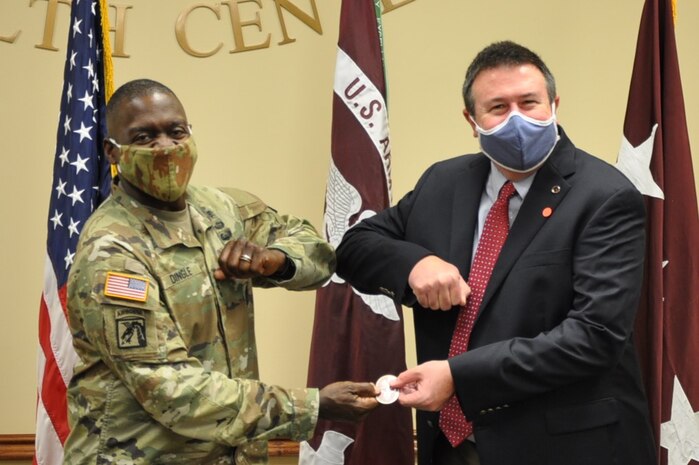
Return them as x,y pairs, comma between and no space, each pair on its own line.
125,286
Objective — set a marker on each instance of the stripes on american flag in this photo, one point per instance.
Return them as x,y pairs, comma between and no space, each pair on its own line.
81,180
126,287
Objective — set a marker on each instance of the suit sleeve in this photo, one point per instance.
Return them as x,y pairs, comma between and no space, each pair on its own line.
374,255
607,270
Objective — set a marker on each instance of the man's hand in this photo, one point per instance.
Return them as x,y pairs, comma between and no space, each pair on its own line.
347,401
437,284
242,259
425,387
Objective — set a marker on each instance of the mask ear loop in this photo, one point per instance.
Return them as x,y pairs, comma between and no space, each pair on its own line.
114,143
114,167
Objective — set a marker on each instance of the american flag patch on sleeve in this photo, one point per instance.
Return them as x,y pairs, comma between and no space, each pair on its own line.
125,286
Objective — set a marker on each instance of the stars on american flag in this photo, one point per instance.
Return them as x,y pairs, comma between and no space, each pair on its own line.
76,195
68,259
73,227
76,27
66,125
80,163
87,101
80,171
60,188
56,220
84,131
89,68
64,156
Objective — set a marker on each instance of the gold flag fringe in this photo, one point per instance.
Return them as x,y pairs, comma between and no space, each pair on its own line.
674,11
108,66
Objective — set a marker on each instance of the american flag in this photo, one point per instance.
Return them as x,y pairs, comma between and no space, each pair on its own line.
126,287
81,180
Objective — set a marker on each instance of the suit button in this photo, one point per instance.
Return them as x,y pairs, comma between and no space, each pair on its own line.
430,424
482,412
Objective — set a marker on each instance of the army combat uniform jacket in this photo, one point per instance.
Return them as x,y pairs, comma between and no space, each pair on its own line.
167,370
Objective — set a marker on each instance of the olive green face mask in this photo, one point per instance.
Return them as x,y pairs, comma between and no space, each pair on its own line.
162,173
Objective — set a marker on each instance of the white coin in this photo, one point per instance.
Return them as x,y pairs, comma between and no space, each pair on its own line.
388,395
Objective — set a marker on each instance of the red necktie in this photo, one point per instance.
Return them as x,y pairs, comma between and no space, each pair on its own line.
451,419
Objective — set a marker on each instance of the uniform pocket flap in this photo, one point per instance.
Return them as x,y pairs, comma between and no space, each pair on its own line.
582,416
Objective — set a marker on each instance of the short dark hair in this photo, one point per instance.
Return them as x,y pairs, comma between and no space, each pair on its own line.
132,89
505,53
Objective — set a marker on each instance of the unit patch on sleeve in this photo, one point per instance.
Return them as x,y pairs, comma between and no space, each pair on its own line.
126,286
131,329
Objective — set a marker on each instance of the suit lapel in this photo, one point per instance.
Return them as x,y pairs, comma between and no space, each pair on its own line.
547,191
466,200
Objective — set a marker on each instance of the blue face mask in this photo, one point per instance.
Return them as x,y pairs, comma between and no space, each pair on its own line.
519,143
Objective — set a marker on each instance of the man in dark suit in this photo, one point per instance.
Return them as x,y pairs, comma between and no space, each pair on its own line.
524,337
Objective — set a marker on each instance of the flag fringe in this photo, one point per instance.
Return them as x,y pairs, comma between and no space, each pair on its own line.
108,66
674,11
107,51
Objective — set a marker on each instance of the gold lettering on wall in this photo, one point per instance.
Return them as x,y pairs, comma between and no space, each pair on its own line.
11,39
243,15
389,5
118,27
312,22
181,30
49,23
238,25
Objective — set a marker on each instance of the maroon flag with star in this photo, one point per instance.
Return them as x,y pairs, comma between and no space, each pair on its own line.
656,156
356,336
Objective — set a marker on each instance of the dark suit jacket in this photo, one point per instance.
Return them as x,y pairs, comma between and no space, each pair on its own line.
551,375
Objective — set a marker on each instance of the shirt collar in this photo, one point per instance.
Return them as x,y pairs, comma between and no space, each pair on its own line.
496,180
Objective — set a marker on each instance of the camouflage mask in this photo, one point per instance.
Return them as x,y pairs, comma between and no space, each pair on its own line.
162,173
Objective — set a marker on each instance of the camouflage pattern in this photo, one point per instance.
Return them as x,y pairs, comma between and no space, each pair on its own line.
161,172
171,377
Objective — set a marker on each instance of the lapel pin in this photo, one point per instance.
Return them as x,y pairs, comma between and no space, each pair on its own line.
556,189
546,212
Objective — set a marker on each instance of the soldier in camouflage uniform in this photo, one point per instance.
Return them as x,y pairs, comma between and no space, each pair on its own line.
161,311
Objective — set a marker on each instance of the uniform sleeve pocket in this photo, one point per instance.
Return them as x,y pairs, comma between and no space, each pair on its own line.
582,417
131,333
129,304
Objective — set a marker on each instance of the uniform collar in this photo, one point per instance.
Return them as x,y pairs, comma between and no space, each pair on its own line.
162,233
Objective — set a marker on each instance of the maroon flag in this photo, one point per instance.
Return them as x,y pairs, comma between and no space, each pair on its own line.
356,336
655,155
